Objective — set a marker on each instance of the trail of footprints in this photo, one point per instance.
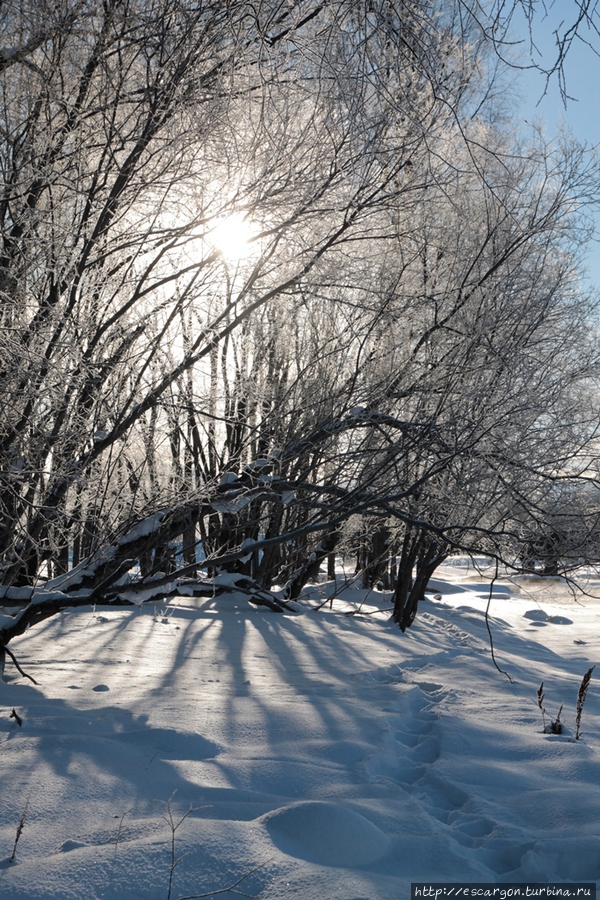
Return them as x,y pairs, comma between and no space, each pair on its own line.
407,758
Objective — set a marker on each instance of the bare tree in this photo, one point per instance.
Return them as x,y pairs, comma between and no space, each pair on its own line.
132,133
395,325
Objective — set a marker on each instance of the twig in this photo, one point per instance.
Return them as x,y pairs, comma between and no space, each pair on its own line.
489,630
20,827
174,826
121,827
324,603
24,674
372,612
364,599
224,890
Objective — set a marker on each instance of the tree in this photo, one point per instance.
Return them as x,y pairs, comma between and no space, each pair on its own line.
390,334
131,132
514,30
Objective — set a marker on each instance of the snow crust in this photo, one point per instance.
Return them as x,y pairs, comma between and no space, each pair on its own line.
322,756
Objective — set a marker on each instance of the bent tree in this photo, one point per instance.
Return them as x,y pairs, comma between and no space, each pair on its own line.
265,270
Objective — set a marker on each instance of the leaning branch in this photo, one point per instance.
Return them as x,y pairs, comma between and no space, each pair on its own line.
17,666
487,625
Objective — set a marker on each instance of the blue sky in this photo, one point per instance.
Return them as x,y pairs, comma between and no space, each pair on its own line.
581,113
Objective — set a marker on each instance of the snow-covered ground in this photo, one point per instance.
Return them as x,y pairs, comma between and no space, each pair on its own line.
320,755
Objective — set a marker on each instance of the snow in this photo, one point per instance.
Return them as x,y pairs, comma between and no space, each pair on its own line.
144,528
257,464
314,755
16,594
143,595
231,579
233,502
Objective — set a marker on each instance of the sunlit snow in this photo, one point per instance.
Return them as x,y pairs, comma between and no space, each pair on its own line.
324,756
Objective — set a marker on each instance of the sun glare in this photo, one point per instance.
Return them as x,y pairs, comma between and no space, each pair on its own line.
232,236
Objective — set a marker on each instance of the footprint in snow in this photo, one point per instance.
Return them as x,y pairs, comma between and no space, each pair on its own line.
100,688
412,743
410,750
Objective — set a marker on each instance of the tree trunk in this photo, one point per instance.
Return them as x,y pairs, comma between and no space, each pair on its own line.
310,570
427,555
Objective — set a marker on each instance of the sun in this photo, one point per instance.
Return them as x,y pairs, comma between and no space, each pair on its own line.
232,236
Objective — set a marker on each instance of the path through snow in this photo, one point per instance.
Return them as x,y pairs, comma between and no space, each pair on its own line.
328,756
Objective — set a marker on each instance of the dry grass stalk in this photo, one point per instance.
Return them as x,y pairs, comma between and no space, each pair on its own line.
583,688
540,700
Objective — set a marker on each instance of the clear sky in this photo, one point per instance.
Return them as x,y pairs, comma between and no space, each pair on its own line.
582,112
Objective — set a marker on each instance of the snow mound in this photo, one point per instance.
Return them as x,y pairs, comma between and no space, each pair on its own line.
539,615
67,846
326,833
536,615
